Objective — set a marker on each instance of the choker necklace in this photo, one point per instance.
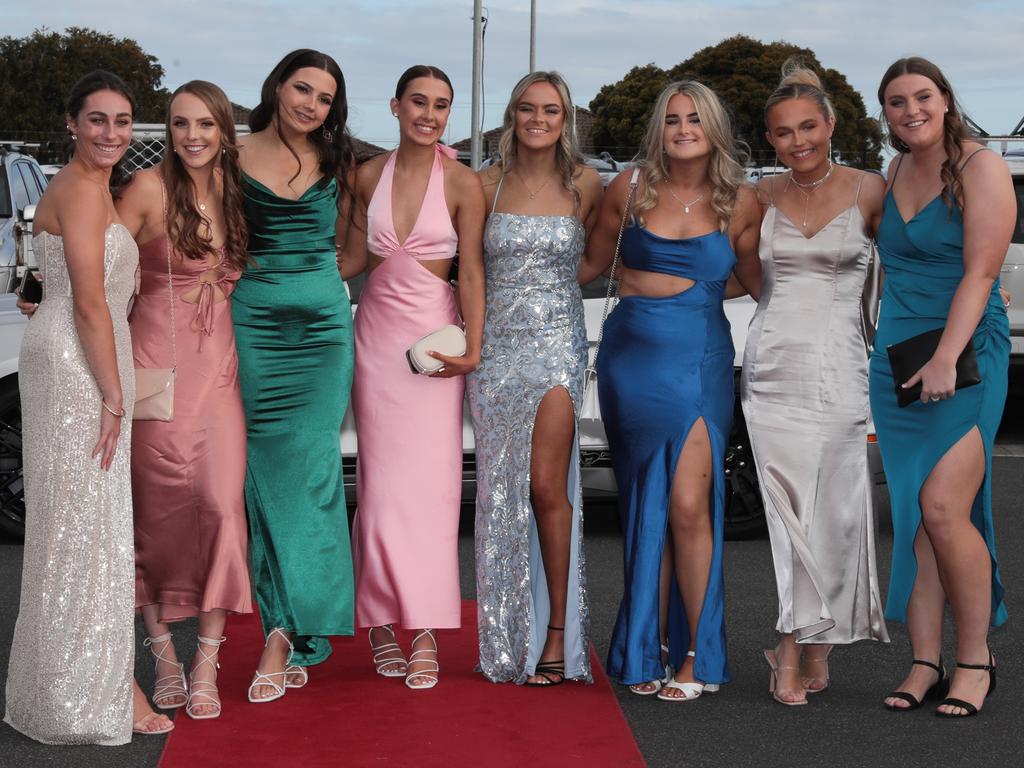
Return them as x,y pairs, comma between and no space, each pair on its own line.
686,206
535,192
812,185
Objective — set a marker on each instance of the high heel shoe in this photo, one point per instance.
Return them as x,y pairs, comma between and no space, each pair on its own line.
939,689
428,675
825,681
773,680
971,710
387,654
656,683
167,686
690,690
268,678
552,671
139,728
204,689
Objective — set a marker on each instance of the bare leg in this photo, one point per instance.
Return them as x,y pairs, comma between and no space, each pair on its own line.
551,451
167,668
690,526
143,717
789,684
211,625
274,659
423,665
814,666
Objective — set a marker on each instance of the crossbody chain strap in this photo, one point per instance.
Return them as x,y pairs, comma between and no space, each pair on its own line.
170,279
613,286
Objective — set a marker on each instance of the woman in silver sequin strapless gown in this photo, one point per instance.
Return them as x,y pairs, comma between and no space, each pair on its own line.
70,674
531,586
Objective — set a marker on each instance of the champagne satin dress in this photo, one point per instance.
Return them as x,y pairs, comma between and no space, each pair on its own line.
804,391
70,674
293,327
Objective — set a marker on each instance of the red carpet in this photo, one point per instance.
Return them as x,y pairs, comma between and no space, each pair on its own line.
350,716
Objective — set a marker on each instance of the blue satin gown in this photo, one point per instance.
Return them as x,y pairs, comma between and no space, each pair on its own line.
923,261
664,363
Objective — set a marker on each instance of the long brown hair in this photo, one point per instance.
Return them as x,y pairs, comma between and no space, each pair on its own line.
953,129
93,82
184,221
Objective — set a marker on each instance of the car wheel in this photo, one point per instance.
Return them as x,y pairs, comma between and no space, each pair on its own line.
12,484
744,509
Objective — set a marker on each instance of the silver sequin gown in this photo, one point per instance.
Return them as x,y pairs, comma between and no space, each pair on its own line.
534,340
804,391
70,675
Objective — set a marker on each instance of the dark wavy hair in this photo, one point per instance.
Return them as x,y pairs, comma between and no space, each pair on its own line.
184,221
334,148
421,70
953,129
94,82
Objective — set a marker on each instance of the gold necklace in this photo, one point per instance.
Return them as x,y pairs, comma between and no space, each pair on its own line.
686,206
526,186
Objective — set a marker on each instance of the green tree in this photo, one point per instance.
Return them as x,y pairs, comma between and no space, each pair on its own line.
37,71
743,72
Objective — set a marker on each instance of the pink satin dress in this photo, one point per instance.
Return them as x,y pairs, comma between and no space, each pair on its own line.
409,471
188,474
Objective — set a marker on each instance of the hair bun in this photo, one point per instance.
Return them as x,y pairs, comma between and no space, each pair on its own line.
794,72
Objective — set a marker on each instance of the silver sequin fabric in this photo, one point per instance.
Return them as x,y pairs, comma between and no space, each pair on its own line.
70,674
534,340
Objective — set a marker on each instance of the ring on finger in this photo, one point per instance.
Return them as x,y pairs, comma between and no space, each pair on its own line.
935,398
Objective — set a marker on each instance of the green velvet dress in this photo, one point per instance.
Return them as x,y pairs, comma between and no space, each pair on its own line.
293,326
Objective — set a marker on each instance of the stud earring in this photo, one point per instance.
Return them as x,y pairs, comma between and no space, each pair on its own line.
74,137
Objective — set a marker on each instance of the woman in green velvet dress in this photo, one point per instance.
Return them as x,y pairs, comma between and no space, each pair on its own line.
293,325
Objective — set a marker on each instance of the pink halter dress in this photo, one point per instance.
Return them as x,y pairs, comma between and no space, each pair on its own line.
409,472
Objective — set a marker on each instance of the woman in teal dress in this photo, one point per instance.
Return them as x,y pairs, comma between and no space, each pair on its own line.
293,325
947,221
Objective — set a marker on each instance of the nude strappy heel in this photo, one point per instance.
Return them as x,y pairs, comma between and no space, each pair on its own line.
773,681
268,678
167,686
203,693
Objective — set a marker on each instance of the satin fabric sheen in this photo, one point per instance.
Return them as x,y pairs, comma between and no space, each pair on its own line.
923,260
191,542
804,391
664,363
409,471
293,325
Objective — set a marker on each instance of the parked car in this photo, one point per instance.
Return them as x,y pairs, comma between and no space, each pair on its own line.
1012,273
21,185
12,491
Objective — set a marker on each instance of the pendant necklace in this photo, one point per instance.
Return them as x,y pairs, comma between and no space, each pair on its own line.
535,192
686,206
807,189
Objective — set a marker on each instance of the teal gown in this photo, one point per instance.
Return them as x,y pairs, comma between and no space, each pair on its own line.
293,327
923,261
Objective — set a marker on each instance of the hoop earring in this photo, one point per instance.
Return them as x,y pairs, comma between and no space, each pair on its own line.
327,134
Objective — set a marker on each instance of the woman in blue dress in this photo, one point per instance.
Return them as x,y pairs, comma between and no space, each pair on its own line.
666,386
947,222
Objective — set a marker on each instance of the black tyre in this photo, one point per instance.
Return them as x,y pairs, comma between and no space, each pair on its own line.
744,508
12,484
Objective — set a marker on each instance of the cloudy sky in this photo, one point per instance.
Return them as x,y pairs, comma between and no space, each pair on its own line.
235,43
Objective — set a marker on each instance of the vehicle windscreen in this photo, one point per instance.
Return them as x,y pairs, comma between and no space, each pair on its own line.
5,195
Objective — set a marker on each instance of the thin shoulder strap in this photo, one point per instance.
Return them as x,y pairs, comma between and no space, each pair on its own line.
971,157
633,179
896,171
771,190
856,198
497,191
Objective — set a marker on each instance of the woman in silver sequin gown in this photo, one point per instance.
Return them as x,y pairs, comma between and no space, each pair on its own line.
531,586
70,674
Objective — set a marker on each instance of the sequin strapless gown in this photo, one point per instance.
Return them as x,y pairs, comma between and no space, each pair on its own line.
70,675
534,340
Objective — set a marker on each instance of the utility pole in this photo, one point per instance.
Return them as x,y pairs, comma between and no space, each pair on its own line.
475,138
533,35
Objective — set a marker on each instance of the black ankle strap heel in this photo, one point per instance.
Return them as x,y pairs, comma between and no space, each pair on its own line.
970,709
936,691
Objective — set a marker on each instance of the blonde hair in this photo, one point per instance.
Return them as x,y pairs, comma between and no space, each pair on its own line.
725,171
567,152
799,81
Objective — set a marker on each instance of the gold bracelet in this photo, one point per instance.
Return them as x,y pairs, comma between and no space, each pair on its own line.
110,410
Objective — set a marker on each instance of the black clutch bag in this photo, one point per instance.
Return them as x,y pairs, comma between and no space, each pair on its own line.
908,357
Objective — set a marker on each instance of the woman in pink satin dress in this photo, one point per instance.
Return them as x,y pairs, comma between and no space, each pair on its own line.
187,474
414,206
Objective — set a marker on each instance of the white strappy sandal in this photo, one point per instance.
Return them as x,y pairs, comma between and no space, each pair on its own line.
691,690
268,678
203,693
168,685
657,683
429,675
385,654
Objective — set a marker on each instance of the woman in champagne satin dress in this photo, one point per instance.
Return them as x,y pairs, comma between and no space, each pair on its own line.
804,390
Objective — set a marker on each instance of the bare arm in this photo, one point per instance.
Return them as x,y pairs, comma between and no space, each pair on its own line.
988,215
605,232
747,221
352,258
140,206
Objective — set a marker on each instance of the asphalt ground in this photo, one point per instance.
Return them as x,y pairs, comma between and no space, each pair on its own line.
846,726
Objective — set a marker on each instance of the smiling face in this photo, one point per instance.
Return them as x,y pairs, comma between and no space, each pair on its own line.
304,99
195,136
540,117
103,127
799,133
915,109
423,110
683,137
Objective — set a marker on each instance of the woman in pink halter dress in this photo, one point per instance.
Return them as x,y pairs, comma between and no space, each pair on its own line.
409,474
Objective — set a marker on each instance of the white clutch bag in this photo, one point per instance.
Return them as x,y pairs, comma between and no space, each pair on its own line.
449,340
